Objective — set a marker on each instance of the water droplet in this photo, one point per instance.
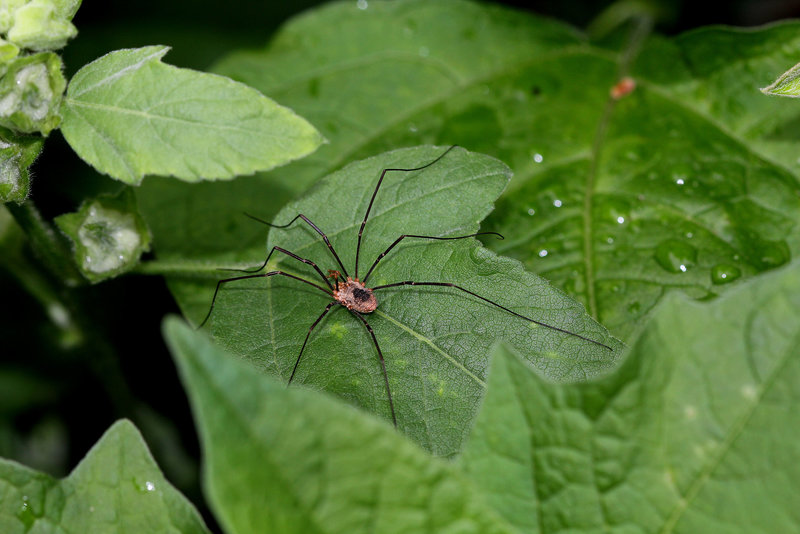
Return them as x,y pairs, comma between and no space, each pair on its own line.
675,256
412,128
149,485
538,158
609,240
557,203
620,219
689,235
531,211
542,253
362,4
724,273
773,253
424,51
679,181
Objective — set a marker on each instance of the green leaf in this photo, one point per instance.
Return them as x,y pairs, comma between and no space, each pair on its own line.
108,235
698,431
117,487
292,460
17,154
694,168
434,339
128,114
787,84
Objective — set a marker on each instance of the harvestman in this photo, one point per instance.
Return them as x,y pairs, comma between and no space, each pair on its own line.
353,293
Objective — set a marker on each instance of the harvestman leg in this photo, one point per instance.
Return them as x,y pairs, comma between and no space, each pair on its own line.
291,254
447,284
312,225
263,275
374,193
396,241
324,313
383,363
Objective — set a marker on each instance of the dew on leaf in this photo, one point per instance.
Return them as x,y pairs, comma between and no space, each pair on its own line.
773,254
362,4
531,211
542,253
538,158
675,256
557,203
724,273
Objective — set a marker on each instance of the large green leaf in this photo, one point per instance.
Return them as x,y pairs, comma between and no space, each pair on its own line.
698,431
290,460
688,183
116,488
434,339
128,115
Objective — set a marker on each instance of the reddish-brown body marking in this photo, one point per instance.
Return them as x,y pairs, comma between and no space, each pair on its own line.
354,295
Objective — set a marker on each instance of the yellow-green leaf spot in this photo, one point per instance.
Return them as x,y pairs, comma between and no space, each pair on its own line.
338,330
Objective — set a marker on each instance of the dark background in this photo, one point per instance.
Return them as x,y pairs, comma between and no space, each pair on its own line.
56,399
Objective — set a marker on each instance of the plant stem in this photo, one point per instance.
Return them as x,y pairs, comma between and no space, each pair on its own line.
48,245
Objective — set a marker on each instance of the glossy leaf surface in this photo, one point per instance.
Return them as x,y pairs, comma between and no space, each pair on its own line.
686,184
434,339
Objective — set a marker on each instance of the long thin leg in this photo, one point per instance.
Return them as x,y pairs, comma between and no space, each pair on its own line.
327,309
263,275
374,193
396,241
312,225
447,284
383,364
291,254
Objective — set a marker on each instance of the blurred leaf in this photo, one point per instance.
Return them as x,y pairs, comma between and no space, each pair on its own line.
687,184
434,339
108,235
291,460
787,84
128,115
117,487
698,431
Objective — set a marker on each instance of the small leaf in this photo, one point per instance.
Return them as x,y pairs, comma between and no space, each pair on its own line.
787,84
128,115
117,487
698,431
296,461
108,235
17,154
30,93
434,339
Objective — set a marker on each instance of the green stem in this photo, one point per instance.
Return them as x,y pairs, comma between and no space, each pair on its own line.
46,243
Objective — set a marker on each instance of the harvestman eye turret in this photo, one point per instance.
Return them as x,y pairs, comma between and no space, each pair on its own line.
353,293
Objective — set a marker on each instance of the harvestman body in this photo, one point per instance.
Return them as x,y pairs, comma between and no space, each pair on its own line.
353,293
